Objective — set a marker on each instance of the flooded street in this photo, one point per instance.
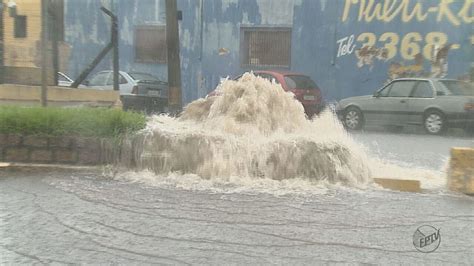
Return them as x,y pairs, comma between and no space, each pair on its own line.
82,219
231,182
411,156
85,218
420,150
236,132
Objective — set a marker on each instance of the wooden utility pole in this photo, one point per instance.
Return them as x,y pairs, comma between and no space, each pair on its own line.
53,10
115,50
114,39
44,46
174,67
3,6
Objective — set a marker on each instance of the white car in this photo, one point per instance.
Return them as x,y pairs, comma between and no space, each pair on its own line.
64,80
138,91
129,82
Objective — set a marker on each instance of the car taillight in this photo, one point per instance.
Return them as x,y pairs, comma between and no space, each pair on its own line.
135,89
469,107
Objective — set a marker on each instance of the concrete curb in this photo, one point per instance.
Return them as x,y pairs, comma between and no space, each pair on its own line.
8,166
399,184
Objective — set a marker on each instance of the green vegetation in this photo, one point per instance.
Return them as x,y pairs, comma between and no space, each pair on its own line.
57,121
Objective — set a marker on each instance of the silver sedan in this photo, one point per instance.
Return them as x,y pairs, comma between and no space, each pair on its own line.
436,104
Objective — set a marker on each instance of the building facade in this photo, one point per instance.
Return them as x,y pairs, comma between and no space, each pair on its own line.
349,47
20,40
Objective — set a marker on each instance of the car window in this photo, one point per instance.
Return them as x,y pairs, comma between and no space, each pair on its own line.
268,77
61,77
423,90
299,82
265,76
143,76
238,77
401,88
455,87
99,79
110,80
384,91
273,78
122,80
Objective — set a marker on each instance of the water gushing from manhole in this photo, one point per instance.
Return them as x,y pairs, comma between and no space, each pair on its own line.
253,129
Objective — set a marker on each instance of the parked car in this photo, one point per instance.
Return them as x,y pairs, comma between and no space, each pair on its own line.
64,80
138,91
436,104
303,87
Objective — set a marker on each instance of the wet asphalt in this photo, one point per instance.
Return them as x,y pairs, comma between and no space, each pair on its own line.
86,218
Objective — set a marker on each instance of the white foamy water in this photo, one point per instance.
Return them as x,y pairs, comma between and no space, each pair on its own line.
255,137
253,131
229,184
430,179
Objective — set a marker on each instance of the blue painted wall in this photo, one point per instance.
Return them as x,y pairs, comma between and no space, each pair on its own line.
317,26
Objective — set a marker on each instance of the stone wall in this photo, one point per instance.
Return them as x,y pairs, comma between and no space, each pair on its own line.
62,150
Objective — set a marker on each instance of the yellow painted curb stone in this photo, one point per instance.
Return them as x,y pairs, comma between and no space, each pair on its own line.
461,170
399,184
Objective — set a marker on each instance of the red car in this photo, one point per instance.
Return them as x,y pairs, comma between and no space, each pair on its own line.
304,88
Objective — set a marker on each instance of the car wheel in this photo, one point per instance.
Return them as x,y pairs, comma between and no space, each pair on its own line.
434,122
353,118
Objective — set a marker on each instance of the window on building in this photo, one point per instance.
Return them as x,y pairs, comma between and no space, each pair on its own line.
265,47
20,26
150,44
